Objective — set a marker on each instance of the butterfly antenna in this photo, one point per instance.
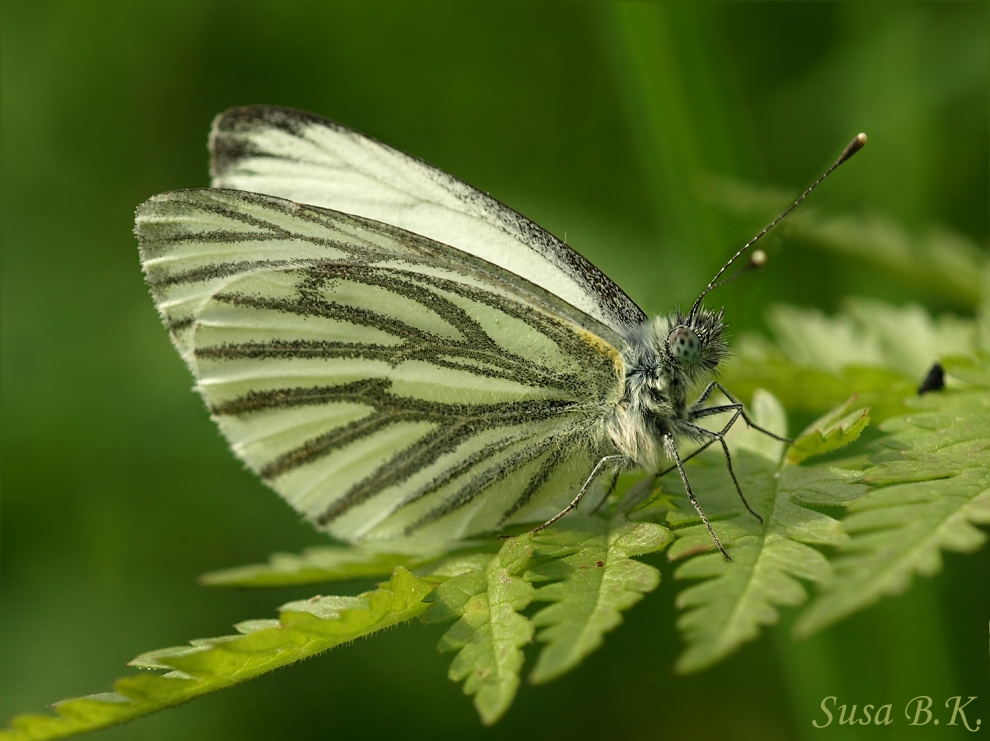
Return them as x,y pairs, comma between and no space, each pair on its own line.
854,146
756,261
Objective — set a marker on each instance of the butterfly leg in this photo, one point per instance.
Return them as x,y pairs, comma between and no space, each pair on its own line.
696,411
685,459
608,492
720,437
671,450
580,495
702,449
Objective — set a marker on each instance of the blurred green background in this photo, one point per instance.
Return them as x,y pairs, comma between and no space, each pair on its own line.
597,121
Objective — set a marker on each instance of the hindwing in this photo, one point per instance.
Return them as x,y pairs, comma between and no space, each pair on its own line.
385,384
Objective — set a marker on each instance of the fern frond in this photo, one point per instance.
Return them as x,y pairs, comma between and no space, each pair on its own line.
303,629
595,581
878,351
328,564
929,495
736,599
834,430
489,631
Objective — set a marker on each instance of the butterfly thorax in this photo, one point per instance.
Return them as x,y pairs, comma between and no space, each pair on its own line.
664,359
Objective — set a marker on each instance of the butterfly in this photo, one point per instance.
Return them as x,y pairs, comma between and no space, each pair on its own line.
401,356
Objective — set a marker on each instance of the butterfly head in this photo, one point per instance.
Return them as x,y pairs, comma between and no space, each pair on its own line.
695,344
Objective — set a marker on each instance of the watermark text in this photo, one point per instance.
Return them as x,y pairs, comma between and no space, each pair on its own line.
917,712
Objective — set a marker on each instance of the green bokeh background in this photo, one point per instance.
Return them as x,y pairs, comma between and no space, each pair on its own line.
596,121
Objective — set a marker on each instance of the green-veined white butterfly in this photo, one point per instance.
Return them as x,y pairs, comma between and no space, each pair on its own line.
400,355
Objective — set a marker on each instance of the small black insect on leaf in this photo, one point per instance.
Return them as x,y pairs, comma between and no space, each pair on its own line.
934,381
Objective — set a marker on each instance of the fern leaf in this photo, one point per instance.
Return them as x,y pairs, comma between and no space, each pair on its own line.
768,412
736,599
489,631
879,351
834,430
595,581
929,496
739,597
325,564
304,629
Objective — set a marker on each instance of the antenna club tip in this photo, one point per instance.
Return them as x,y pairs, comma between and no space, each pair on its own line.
854,146
758,259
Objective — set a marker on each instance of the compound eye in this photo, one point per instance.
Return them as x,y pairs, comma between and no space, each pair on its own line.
685,344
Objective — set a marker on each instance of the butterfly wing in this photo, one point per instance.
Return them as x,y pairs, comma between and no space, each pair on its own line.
309,159
385,384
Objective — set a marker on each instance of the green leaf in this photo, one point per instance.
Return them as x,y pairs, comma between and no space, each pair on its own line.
489,631
304,629
815,390
769,413
326,564
871,333
735,599
834,430
596,580
314,565
931,488
873,349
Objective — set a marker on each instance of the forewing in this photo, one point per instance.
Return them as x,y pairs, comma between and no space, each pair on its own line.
309,159
386,385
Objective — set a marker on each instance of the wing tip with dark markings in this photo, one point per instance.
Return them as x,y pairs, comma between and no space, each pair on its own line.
227,149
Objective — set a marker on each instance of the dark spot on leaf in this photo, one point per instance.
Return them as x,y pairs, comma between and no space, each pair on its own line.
934,381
